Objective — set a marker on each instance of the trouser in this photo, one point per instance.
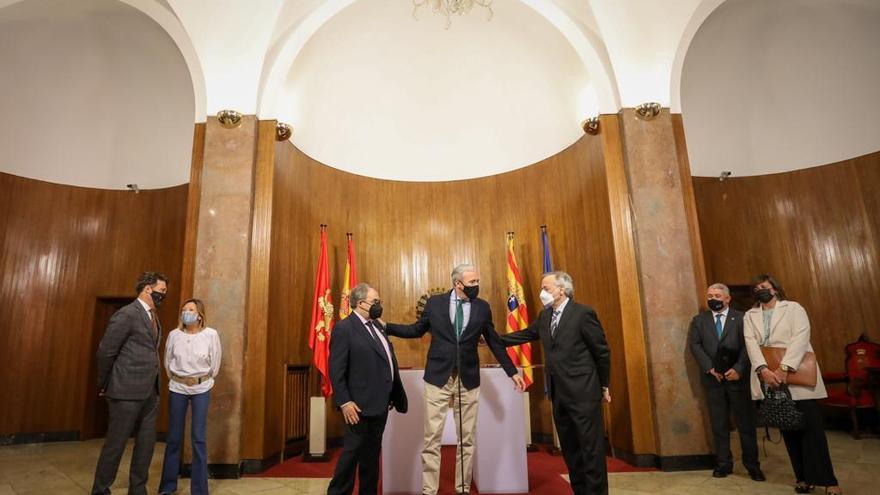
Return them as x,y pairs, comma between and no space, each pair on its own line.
722,399
361,448
436,406
127,417
177,405
808,448
582,438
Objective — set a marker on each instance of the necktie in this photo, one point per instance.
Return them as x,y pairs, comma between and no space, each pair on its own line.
459,318
718,326
554,322
372,330
154,320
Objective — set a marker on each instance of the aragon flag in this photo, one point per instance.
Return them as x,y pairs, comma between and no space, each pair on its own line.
322,318
517,314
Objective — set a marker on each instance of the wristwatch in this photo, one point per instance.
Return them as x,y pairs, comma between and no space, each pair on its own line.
785,368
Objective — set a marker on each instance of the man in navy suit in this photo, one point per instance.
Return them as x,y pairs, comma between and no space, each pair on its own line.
717,342
366,384
456,321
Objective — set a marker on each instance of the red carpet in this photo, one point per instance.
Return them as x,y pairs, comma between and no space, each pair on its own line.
544,471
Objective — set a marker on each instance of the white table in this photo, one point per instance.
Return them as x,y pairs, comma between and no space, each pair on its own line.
499,467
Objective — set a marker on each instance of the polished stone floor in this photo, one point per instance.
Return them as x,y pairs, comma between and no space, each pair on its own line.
67,468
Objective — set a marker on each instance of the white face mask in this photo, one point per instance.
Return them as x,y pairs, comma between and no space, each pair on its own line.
546,298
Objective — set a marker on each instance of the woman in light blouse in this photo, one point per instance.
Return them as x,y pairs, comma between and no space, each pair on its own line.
192,360
776,322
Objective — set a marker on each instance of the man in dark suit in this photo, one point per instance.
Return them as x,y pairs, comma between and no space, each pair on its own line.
366,384
716,340
128,376
578,366
456,321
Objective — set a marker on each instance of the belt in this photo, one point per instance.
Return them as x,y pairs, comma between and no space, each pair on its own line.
189,380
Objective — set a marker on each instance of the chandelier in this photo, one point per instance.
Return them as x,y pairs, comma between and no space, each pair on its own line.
449,8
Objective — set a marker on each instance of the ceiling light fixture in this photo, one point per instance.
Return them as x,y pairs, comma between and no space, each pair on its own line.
448,8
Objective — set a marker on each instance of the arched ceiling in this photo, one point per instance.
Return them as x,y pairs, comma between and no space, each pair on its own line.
263,57
385,96
776,86
80,109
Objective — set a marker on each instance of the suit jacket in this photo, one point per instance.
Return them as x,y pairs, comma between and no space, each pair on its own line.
789,328
710,351
441,353
359,370
128,356
577,357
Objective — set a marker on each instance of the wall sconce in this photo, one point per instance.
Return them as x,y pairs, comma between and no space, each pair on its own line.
229,119
133,188
591,126
647,111
283,131
724,174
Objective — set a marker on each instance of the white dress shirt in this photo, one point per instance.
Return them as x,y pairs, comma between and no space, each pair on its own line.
723,314
146,307
465,309
381,339
192,355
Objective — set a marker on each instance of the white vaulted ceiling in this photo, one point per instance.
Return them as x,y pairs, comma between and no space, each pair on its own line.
369,89
776,86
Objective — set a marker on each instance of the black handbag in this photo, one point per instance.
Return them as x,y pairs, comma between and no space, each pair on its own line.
778,410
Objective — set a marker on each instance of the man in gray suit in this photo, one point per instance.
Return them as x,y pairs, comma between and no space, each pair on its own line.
716,340
128,377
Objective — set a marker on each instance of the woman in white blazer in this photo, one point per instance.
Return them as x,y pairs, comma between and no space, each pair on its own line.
776,322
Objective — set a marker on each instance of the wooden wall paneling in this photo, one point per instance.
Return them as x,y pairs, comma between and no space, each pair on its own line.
258,432
638,380
188,269
815,229
62,248
690,206
409,236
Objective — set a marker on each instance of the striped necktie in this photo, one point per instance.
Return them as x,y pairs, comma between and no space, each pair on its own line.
554,322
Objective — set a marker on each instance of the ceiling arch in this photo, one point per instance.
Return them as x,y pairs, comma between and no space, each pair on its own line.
85,111
769,87
272,93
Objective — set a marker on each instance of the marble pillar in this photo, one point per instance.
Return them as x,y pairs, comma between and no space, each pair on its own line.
667,277
221,270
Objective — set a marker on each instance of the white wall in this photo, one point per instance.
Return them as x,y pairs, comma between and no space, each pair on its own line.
378,93
95,94
772,86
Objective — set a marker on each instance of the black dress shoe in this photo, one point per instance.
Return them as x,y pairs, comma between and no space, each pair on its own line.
757,475
721,472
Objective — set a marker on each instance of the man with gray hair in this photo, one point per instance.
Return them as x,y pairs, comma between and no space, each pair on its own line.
366,384
717,342
578,365
456,320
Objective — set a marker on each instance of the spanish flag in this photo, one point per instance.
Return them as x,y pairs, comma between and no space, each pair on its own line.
349,280
322,318
517,314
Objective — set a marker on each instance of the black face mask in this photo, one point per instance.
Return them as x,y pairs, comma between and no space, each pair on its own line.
157,297
763,295
716,304
471,291
375,311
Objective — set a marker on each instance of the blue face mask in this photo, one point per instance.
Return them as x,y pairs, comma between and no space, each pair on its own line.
189,318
